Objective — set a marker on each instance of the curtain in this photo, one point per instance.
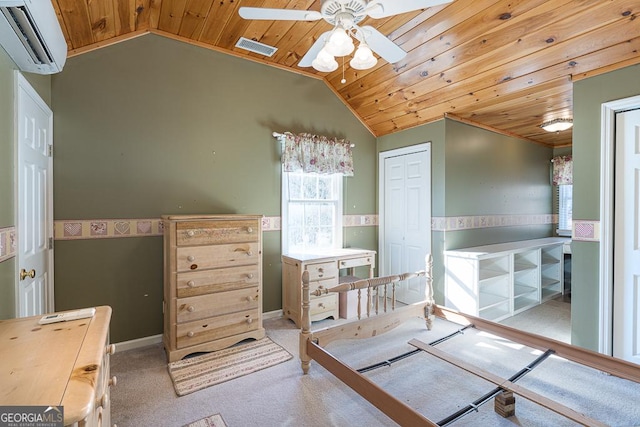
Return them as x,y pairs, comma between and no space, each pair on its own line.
317,154
562,170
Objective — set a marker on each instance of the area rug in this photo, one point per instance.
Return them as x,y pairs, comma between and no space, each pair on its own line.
198,372
210,421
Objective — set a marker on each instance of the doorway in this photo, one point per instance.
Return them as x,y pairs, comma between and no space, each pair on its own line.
405,215
619,254
34,170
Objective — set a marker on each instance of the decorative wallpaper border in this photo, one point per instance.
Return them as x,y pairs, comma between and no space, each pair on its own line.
586,231
8,243
469,222
583,230
79,229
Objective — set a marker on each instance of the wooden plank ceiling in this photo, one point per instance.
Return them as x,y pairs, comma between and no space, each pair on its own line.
505,65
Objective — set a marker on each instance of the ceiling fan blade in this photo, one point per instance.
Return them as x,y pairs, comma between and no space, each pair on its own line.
384,8
279,14
380,44
311,54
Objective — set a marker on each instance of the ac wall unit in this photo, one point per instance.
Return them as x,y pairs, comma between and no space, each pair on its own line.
31,35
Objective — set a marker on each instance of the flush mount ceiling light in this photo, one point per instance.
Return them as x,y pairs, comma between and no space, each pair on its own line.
557,125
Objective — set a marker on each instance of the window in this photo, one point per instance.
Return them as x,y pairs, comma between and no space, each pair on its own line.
565,209
311,211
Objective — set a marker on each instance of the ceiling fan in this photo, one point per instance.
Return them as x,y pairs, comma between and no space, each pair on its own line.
345,15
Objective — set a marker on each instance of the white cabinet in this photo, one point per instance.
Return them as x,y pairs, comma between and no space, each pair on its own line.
498,281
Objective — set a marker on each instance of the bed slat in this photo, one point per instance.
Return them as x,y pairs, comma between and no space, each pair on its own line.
389,405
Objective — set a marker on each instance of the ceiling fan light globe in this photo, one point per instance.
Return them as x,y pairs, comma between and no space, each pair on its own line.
324,62
363,58
339,44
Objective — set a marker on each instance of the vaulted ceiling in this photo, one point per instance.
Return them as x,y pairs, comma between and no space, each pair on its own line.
504,65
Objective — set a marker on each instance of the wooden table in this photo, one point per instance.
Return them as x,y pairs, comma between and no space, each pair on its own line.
59,364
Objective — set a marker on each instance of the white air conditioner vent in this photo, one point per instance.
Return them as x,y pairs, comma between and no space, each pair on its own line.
31,35
256,47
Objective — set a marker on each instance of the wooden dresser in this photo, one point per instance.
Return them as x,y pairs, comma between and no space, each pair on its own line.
324,271
212,282
59,364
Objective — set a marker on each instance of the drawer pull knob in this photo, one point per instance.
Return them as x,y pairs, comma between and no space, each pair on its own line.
249,230
113,381
111,348
249,253
342,262
249,299
191,283
249,320
321,305
190,309
250,276
104,401
190,233
191,258
321,270
190,334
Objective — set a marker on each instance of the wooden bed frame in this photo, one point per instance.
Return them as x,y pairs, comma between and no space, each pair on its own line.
381,315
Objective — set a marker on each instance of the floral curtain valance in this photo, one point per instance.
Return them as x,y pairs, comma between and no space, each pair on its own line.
317,154
562,170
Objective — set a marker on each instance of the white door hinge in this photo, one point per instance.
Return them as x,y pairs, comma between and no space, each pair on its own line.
50,242
50,150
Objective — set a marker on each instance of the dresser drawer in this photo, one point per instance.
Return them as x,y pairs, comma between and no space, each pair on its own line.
208,232
202,306
357,262
322,284
322,270
214,328
203,282
323,307
202,257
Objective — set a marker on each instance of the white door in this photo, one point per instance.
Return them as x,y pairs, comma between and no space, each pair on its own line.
405,212
626,271
34,170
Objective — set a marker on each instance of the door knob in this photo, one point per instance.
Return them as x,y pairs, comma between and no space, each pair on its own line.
24,274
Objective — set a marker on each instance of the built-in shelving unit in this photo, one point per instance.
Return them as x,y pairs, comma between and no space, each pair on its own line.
498,281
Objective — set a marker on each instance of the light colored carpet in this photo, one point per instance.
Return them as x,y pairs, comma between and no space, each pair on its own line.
551,319
210,421
205,370
282,396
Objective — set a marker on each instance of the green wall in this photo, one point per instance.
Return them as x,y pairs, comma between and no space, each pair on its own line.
588,97
42,85
492,174
154,126
478,172
7,214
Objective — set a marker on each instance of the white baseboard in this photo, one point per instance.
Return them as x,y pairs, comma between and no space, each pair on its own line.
272,314
156,339
138,343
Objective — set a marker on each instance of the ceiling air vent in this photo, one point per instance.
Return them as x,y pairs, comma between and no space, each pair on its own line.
256,47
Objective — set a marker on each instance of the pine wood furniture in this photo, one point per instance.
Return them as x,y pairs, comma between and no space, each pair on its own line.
64,363
498,281
324,272
212,282
386,316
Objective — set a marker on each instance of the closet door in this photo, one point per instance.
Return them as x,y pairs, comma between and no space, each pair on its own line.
405,215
